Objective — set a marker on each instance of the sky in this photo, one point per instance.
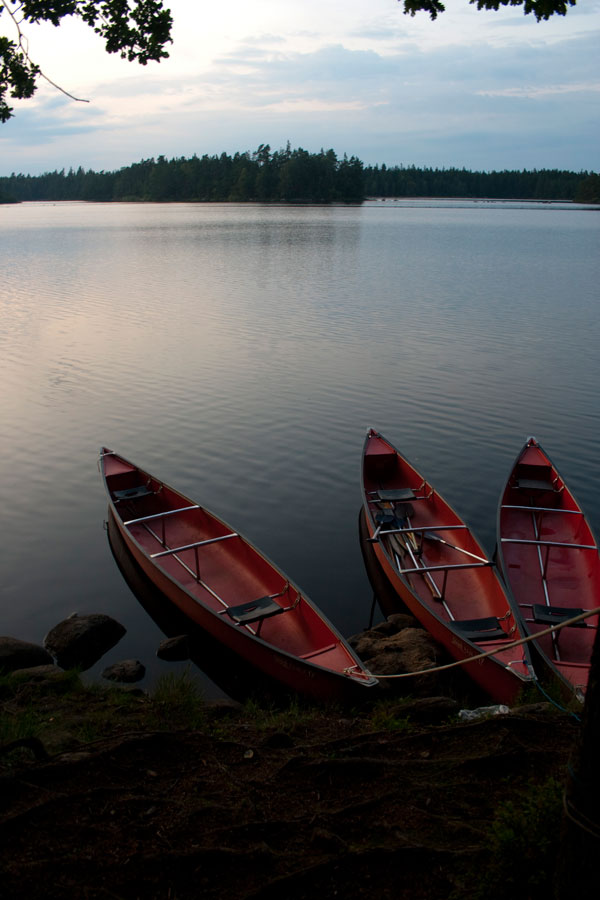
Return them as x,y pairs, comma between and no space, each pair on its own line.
483,90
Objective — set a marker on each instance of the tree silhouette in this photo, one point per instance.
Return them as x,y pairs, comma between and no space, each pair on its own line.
136,29
541,9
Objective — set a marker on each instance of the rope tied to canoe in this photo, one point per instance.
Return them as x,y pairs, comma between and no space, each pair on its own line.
500,649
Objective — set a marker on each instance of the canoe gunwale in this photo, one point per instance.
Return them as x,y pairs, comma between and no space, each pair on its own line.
556,669
509,680
334,680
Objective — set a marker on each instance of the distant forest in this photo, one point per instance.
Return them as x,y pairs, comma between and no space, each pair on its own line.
292,176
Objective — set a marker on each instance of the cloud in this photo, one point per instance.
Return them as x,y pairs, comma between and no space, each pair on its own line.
376,84
543,90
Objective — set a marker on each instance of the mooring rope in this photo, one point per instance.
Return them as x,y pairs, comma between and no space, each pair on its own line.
461,662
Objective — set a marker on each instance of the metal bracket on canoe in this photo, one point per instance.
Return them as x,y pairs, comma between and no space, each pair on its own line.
550,509
446,568
380,530
195,547
441,593
167,512
143,520
542,543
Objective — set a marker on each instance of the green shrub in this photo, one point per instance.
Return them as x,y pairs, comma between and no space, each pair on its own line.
523,844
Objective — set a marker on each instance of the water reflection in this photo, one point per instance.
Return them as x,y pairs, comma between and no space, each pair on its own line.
242,352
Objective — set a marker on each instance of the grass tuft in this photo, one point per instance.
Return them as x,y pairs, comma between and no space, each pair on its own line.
387,716
523,844
179,701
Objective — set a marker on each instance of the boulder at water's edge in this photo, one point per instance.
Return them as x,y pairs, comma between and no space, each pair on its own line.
80,641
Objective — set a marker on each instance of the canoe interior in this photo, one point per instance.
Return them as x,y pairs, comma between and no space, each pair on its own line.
220,575
443,596
537,506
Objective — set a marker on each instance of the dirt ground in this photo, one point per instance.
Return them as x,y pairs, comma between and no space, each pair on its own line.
122,801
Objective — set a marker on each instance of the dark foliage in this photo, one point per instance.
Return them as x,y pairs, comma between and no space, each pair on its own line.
588,190
294,176
535,184
541,9
18,72
136,29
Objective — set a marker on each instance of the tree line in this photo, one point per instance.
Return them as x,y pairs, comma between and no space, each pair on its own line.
288,175
535,184
292,176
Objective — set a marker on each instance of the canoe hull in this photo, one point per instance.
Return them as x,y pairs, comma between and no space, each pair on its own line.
549,559
239,571
443,586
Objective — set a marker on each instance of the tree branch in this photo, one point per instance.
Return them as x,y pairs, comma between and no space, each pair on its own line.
136,29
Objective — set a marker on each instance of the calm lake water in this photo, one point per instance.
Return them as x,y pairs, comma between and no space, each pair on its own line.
239,352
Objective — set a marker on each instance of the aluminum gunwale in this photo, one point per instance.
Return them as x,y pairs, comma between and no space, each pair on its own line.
362,678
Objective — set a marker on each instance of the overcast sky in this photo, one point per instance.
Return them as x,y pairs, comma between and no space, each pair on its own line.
483,90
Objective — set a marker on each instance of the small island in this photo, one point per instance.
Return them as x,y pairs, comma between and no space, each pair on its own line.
293,176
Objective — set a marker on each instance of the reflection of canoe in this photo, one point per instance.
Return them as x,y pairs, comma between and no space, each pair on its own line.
226,669
439,570
549,558
225,585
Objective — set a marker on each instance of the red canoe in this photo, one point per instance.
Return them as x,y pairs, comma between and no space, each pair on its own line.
230,589
549,558
440,572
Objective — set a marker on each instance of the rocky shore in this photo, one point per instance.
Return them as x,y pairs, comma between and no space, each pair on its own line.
109,791
397,645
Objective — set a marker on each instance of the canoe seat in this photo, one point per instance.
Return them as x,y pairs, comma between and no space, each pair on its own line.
486,629
397,495
534,477
554,615
141,490
534,484
263,608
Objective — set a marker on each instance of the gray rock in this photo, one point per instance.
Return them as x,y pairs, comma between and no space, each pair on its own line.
80,641
370,641
40,673
222,707
128,671
174,649
367,643
402,620
16,654
386,628
410,650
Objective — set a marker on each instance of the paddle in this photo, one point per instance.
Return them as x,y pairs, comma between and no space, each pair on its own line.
434,536
407,542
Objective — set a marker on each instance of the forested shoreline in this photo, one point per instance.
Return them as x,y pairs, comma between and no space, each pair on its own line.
292,176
